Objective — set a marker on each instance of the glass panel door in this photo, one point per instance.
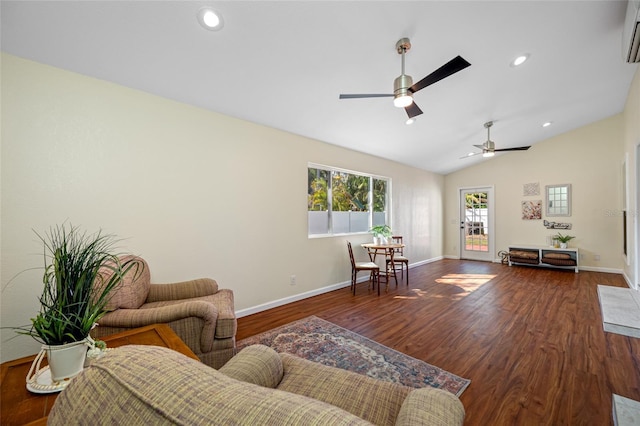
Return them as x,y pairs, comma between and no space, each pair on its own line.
476,231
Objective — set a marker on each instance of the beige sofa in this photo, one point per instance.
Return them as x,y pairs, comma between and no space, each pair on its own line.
138,385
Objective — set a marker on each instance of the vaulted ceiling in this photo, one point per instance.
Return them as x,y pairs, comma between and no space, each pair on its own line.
283,64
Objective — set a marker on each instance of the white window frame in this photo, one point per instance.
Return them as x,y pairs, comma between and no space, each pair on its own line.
331,170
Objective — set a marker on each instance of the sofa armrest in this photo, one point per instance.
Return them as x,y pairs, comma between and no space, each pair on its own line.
257,364
182,290
430,406
132,318
373,400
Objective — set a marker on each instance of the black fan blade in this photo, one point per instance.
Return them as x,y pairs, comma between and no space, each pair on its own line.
370,95
453,66
519,148
413,110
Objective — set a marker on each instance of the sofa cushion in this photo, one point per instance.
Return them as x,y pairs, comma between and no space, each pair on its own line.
257,364
153,385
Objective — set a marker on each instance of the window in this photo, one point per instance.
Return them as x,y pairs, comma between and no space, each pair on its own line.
344,202
558,200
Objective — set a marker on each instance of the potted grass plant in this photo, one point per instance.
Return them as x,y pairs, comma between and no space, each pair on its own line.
74,295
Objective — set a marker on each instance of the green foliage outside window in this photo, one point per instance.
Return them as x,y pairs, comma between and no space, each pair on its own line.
476,200
317,190
379,195
350,192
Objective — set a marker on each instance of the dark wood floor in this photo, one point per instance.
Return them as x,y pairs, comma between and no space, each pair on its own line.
530,340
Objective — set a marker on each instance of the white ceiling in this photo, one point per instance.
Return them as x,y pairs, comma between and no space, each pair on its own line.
283,64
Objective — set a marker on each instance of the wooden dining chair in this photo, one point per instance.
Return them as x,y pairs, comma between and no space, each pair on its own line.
399,259
371,267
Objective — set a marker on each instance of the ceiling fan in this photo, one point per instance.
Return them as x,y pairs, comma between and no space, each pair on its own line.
403,87
489,147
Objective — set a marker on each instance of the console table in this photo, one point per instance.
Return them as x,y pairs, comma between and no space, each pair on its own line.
19,406
527,254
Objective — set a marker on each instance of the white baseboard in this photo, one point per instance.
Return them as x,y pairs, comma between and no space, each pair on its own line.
294,298
628,281
599,269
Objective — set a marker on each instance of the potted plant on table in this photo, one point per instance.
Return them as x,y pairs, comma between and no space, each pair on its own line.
381,233
74,296
564,239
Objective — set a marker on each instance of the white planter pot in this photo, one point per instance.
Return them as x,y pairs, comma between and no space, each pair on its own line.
563,245
66,361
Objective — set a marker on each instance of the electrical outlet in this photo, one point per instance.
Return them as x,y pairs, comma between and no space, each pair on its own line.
292,280
596,257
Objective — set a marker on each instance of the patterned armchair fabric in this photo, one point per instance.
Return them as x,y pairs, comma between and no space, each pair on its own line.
200,313
152,385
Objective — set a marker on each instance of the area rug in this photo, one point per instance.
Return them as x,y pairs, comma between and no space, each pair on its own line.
321,341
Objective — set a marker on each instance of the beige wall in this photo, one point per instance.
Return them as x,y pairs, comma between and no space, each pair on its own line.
194,192
632,149
589,158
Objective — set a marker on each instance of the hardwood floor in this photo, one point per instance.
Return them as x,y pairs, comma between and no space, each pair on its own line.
530,339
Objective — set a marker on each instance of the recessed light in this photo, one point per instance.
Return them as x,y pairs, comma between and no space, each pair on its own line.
519,60
210,19
410,121
547,124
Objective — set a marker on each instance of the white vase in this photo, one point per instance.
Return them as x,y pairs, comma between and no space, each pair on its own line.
563,245
66,361
376,240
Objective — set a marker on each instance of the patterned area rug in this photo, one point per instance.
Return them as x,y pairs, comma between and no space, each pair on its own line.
321,341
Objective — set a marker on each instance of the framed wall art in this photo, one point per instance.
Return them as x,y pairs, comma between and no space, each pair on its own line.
532,210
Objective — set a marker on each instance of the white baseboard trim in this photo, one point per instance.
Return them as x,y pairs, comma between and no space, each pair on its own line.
628,280
294,298
599,269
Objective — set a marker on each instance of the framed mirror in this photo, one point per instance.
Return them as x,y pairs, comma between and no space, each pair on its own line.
558,200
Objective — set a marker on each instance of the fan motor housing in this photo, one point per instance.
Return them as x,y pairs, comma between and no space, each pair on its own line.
401,84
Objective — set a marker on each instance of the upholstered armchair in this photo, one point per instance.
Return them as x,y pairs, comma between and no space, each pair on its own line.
200,313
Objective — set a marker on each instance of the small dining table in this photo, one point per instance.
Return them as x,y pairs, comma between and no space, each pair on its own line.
388,250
